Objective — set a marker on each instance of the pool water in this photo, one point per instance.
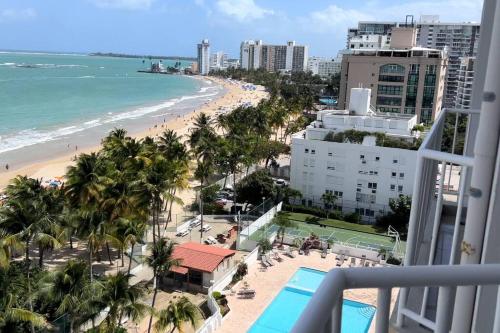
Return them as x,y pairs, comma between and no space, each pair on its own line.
287,306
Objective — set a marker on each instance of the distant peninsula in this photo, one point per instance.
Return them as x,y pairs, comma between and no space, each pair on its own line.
120,55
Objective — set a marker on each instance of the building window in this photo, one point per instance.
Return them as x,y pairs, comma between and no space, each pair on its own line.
377,158
383,100
313,152
392,69
394,161
386,109
391,78
389,90
361,156
306,150
330,154
393,174
401,175
338,194
393,187
400,188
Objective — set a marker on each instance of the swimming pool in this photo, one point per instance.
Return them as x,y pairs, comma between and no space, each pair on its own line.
285,309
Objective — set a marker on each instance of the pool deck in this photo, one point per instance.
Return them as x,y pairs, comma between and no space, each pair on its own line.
268,283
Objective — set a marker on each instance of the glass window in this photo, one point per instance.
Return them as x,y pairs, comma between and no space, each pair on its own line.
392,69
400,188
389,90
401,175
393,187
391,78
382,100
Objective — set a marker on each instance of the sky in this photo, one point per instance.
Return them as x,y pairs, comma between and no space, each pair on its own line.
173,27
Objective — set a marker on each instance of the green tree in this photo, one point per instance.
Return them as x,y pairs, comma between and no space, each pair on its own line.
177,315
282,221
161,261
254,187
329,200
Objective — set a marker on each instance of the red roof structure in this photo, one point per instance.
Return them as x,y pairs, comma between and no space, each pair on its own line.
200,257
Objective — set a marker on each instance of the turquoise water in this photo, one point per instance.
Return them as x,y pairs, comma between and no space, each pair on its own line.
287,306
46,96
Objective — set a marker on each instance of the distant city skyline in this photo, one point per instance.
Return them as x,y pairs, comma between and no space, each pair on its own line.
168,27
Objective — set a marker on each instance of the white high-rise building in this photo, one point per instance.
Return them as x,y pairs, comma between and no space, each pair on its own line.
218,60
464,83
204,57
363,173
274,58
324,67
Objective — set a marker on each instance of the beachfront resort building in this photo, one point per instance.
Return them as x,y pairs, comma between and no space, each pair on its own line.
201,265
273,58
324,67
204,57
362,157
457,39
403,79
465,80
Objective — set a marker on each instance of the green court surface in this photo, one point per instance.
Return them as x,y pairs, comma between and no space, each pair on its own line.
339,236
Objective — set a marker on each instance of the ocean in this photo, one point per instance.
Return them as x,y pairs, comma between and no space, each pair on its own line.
58,98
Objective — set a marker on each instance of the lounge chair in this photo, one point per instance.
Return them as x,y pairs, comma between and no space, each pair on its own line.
264,262
268,260
277,257
353,262
246,293
289,252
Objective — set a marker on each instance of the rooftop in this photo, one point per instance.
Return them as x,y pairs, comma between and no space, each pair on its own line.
200,257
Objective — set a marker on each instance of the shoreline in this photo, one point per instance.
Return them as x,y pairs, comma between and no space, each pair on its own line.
55,165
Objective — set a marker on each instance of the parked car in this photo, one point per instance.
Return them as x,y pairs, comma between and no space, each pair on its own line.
280,182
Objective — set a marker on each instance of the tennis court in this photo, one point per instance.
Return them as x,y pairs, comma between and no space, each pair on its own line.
337,235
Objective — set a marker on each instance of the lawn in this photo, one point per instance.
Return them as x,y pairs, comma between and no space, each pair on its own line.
334,223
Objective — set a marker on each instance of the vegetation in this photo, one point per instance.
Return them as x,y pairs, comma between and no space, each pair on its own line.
264,245
241,271
382,140
399,216
177,315
282,221
308,218
254,187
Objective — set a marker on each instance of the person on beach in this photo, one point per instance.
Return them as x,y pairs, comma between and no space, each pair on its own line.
7,167
76,147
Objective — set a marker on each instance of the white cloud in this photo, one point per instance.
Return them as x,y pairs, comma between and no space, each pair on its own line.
242,10
123,4
17,14
336,20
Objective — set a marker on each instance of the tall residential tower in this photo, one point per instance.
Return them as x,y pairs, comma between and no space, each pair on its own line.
273,58
204,57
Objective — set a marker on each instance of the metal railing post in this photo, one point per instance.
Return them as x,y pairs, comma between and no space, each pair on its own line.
337,315
443,314
383,310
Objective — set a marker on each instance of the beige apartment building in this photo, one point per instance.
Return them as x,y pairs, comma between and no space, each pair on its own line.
403,79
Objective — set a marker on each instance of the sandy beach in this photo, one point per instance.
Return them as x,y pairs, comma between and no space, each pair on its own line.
56,165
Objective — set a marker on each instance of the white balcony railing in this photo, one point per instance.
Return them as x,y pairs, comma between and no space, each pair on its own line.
323,313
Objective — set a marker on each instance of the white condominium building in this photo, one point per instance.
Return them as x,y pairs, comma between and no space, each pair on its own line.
273,58
464,82
204,57
324,67
352,154
219,60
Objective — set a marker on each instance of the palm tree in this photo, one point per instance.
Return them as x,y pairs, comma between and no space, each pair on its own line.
129,232
8,244
66,288
177,314
161,261
282,222
202,130
329,200
122,299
